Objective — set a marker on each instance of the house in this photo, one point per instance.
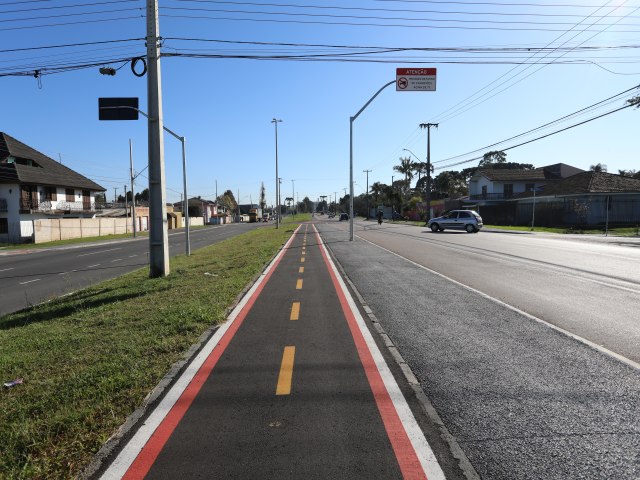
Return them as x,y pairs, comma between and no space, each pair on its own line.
34,186
586,199
491,184
209,211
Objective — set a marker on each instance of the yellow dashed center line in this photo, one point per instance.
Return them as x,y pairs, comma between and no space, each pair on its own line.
299,284
302,260
286,371
301,270
295,311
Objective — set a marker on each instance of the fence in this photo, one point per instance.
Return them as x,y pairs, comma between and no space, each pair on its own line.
588,211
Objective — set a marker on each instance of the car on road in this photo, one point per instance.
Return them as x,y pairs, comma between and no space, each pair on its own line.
344,216
457,220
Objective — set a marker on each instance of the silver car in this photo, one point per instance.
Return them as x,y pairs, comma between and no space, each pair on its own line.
458,220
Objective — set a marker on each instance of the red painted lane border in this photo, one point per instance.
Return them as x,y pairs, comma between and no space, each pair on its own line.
148,455
403,449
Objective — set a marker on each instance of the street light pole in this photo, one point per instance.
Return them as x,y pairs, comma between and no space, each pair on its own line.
367,172
351,120
133,196
428,127
275,121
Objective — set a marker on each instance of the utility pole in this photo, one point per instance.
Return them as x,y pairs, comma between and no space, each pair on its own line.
133,196
367,172
158,233
275,122
126,213
428,127
293,198
115,194
392,219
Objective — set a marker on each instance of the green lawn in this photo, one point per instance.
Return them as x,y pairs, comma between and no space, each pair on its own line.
89,359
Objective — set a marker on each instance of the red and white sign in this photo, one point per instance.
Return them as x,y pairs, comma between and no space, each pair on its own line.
415,79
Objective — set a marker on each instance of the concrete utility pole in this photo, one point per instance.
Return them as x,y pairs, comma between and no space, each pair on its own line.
158,233
115,194
133,195
275,121
367,172
428,127
293,198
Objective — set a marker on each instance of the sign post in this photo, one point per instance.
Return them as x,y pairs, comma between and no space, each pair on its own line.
415,79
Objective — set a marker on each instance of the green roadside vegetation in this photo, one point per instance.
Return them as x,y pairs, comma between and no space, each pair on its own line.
89,359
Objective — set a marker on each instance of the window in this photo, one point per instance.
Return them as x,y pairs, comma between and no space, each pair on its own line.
49,194
464,215
4,225
71,194
508,190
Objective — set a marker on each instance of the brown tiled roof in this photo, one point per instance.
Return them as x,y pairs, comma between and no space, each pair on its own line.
47,172
508,175
592,182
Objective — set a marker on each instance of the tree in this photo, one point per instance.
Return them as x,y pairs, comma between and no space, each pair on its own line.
288,201
598,167
228,201
377,189
491,158
450,184
624,173
263,199
406,168
143,196
308,204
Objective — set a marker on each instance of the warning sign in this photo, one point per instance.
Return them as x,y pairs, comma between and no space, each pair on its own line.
415,79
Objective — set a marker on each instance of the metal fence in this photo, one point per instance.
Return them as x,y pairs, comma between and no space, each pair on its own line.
588,211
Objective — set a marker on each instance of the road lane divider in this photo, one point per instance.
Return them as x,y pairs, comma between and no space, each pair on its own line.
286,371
302,260
413,453
301,270
295,311
299,284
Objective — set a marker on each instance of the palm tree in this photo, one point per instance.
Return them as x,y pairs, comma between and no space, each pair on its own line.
288,201
406,167
377,189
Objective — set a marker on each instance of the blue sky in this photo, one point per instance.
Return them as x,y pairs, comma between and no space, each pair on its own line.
224,106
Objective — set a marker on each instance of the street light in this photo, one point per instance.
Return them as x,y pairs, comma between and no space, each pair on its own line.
184,171
275,121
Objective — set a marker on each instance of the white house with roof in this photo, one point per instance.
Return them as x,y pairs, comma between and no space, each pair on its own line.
34,186
493,184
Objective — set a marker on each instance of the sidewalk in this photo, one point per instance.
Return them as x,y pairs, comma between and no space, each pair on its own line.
291,386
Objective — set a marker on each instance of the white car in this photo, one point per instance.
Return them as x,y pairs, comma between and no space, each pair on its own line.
458,220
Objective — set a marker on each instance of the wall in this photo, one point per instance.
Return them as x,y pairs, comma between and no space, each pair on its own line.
48,230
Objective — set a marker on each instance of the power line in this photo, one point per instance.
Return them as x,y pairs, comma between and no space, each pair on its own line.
44,47
543,136
67,6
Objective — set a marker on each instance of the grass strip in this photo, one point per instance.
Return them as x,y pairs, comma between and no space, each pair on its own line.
89,359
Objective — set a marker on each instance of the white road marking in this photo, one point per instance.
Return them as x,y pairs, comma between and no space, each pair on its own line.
6,269
101,251
423,451
132,449
92,266
589,343
116,260
132,256
30,281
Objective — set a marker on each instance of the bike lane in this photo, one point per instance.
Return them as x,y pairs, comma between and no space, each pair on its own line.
292,386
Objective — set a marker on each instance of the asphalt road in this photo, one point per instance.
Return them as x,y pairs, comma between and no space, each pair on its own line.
29,277
523,400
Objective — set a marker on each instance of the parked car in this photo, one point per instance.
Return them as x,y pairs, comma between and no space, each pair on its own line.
458,220
344,216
